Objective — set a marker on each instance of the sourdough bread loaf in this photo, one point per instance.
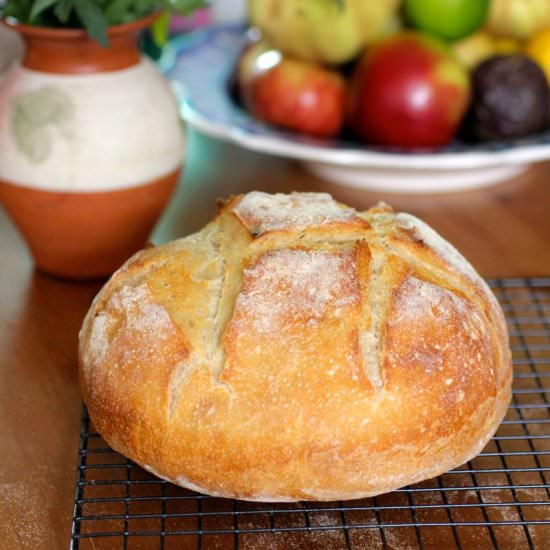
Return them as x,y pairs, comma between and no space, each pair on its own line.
297,349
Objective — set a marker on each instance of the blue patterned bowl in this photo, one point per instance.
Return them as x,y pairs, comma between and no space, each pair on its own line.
200,65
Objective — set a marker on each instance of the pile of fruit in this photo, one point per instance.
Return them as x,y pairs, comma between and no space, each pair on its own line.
411,73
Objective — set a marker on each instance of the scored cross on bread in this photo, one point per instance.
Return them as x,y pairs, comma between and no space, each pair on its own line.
297,349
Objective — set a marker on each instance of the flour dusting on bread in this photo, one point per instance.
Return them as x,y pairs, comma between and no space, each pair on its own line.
262,212
419,298
140,314
285,286
98,341
446,251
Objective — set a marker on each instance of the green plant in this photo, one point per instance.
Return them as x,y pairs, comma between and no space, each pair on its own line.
94,15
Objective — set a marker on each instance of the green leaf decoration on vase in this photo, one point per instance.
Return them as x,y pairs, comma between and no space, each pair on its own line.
36,116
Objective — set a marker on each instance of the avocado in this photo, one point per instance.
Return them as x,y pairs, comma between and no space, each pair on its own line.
510,99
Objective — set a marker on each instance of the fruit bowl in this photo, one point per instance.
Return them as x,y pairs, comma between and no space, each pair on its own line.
200,66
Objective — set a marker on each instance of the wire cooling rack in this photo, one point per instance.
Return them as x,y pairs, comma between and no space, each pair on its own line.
501,499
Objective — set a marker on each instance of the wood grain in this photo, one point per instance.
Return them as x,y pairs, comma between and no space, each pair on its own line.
504,231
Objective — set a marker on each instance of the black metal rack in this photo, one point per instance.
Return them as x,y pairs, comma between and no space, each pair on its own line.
501,499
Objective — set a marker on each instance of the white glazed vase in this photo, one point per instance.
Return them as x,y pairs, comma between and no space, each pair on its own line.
91,148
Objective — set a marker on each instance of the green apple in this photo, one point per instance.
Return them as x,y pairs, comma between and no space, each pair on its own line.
447,19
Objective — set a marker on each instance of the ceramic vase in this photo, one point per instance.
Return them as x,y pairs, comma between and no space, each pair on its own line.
91,148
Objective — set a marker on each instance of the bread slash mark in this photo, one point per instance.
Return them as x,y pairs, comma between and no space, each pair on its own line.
373,314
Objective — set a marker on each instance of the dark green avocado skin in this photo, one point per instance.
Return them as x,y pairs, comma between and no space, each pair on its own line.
510,99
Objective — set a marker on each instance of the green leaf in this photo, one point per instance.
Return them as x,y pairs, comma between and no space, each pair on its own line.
63,10
159,29
93,20
116,10
19,9
184,7
39,6
145,7
96,15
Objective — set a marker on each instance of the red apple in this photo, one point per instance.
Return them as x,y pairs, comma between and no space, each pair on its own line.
408,91
294,94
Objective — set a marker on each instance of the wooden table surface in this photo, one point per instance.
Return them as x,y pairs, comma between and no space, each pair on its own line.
504,231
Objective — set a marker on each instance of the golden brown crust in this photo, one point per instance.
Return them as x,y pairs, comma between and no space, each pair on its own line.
296,349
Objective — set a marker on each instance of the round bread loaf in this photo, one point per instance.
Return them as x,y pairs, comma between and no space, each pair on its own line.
297,349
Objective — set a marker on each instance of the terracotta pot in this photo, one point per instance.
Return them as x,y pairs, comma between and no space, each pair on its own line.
91,148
